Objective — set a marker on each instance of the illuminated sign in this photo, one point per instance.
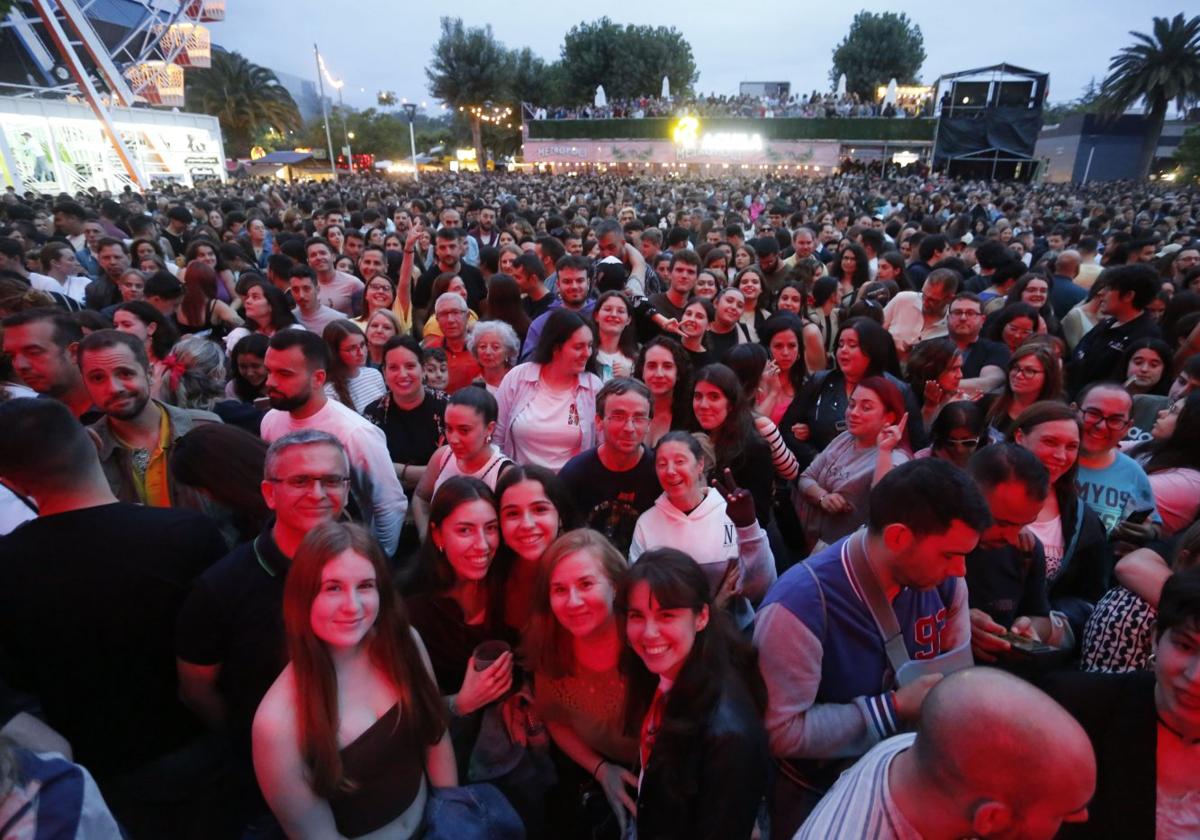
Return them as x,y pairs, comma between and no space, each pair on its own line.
905,158
690,139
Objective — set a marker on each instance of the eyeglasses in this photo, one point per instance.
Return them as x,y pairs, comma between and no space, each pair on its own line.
620,418
965,313
1027,372
303,482
965,443
1093,417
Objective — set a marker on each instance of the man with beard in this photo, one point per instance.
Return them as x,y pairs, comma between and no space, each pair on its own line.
297,361
136,434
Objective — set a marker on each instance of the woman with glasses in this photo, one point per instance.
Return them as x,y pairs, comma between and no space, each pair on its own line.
351,382
1075,544
1033,375
959,429
1013,324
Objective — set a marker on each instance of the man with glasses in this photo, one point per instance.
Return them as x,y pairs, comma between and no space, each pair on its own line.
229,640
615,483
984,361
1109,481
913,317
296,362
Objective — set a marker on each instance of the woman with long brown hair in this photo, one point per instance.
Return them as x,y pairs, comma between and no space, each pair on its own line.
353,732
200,311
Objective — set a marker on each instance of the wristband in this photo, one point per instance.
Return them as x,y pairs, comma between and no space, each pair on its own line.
404,473
599,764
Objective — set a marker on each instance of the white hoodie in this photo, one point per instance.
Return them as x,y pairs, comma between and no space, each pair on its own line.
710,538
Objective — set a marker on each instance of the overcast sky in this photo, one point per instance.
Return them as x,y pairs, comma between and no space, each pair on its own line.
381,45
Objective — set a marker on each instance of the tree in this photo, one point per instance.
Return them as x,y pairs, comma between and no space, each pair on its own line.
629,61
877,49
1157,69
1187,155
1087,103
469,68
245,97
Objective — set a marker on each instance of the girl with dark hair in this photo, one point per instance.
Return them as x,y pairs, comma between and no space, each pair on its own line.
503,303
750,282
226,463
412,416
156,331
1012,325
547,406
266,309
934,373
350,381
1034,290
353,731
572,647
1171,459
1078,559
247,369
470,422
1147,365
616,337
696,701
891,269
957,432
200,311
837,484
817,415
723,412
205,250
698,315
378,294
786,337
667,371
851,269
727,329
535,509
1034,375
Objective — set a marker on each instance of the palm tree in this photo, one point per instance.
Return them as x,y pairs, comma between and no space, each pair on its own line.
1160,69
245,97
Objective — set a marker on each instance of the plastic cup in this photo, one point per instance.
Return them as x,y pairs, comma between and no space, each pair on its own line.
488,652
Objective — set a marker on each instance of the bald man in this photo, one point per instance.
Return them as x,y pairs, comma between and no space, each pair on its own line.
992,757
1064,292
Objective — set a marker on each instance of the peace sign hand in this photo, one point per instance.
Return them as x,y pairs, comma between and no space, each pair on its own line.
739,504
890,436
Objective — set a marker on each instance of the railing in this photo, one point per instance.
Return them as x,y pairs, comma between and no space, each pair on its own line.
920,129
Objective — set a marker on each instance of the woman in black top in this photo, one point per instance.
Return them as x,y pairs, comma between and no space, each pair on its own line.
411,415
695,700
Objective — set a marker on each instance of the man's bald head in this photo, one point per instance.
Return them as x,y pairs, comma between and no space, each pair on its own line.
1014,761
1067,264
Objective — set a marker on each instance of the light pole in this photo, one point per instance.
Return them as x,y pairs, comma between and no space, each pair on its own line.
346,136
410,108
324,112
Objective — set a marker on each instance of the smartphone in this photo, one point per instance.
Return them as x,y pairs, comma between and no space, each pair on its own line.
1138,517
1023,645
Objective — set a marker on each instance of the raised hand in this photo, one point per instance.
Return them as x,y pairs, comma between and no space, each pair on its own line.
891,436
739,504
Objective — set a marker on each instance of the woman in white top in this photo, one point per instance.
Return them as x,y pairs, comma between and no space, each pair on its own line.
615,340
547,406
716,526
469,424
350,381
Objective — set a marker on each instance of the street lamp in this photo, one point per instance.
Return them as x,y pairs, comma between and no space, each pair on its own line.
410,108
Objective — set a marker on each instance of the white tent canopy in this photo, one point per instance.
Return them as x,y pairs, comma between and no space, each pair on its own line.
601,99
841,85
666,88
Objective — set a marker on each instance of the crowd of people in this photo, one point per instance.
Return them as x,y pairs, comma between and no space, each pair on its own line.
809,106
601,506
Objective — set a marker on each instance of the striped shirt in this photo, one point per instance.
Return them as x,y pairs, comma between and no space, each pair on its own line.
860,804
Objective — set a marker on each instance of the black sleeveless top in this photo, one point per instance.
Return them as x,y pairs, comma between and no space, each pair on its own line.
385,765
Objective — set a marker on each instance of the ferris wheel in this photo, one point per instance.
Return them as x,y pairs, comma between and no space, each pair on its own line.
111,54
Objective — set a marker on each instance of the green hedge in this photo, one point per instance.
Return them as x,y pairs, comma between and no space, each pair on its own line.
789,128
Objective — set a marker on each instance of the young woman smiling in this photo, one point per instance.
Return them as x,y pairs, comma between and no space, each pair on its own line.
666,369
696,700
698,316
572,647
352,733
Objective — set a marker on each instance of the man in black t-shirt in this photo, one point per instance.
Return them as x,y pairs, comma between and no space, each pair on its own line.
448,250
1006,573
1098,355
615,483
89,594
